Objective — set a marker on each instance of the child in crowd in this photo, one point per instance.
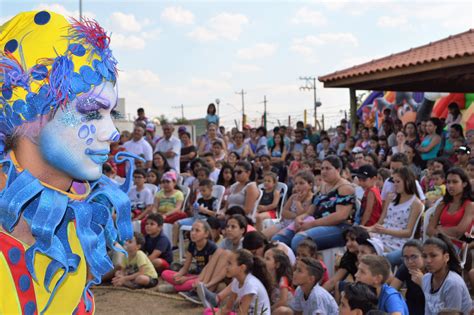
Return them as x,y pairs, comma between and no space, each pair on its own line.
382,175
308,248
443,285
298,203
318,181
411,274
279,266
258,244
251,284
374,271
295,165
215,270
348,263
371,204
310,298
211,163
438,190
202,173
267,209
139,271
201,249
157,245
226,178
358,299
140,196
153,177
216,235
218,151
169,200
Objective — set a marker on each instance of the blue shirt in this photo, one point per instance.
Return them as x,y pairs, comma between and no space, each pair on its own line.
390,301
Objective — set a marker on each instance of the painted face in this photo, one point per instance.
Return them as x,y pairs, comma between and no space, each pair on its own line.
77,140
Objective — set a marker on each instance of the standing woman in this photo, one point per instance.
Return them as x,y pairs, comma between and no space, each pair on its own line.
454,215
431,143
455,133
401,146
188,151
443,285
331,210
244,193
211,117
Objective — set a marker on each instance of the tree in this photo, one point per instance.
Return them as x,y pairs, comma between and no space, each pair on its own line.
181,121
163,119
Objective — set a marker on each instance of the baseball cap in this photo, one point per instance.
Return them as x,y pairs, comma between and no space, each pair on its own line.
377,245
357,150
365,171
182,129
464,149
150,127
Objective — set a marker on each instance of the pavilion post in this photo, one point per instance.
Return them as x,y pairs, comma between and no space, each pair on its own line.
354,119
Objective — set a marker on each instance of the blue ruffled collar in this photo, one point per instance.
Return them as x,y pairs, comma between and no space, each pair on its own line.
48,212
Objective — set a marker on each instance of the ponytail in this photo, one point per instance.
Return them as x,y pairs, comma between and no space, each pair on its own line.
444,243
256,266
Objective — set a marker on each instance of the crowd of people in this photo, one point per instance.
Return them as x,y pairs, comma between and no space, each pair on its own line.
258,205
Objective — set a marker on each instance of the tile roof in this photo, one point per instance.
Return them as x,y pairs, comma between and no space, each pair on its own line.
454,46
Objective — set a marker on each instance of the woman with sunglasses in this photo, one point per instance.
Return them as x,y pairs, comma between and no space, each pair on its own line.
244,193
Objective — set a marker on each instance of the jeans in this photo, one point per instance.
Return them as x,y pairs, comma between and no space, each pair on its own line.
394,257
324,236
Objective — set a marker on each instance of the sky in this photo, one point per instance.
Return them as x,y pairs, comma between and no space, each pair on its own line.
191,53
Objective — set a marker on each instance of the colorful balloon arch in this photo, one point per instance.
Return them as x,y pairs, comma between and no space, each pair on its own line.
415,106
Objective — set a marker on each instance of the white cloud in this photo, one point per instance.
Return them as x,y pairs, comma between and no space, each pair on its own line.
222,26
301,49
177,15
260,50
392,21
305,46
152,34
246,68
127,42
60,9
139,77
307,16
123,22
209,84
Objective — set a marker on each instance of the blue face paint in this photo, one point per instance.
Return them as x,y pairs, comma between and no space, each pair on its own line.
68,150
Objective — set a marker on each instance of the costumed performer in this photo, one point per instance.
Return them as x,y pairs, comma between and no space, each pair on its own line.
58,213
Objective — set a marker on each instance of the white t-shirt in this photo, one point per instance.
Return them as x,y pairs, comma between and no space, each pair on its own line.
173,144
253,286
140,199
389,187
214,175
319,302
140,147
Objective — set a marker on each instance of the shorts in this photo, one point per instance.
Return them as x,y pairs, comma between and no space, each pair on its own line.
153,282
164,263
175,217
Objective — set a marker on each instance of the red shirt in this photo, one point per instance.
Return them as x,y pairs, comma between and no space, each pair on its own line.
376,208
447,219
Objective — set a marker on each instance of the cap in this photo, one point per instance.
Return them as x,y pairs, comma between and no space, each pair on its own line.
150,127
464,149
247,126
377,245
170,176
182,129
365,171
357,150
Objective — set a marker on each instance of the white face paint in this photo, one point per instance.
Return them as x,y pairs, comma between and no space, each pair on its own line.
77,140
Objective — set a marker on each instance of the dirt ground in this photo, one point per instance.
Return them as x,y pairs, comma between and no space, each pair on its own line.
116,301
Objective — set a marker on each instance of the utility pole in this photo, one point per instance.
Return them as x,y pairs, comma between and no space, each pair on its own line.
244,120
218,101
310,84
80,10
265,111
182,110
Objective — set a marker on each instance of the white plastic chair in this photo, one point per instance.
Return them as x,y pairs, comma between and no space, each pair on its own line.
415,228
218,193
153,188
283,188
257,202
426,221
